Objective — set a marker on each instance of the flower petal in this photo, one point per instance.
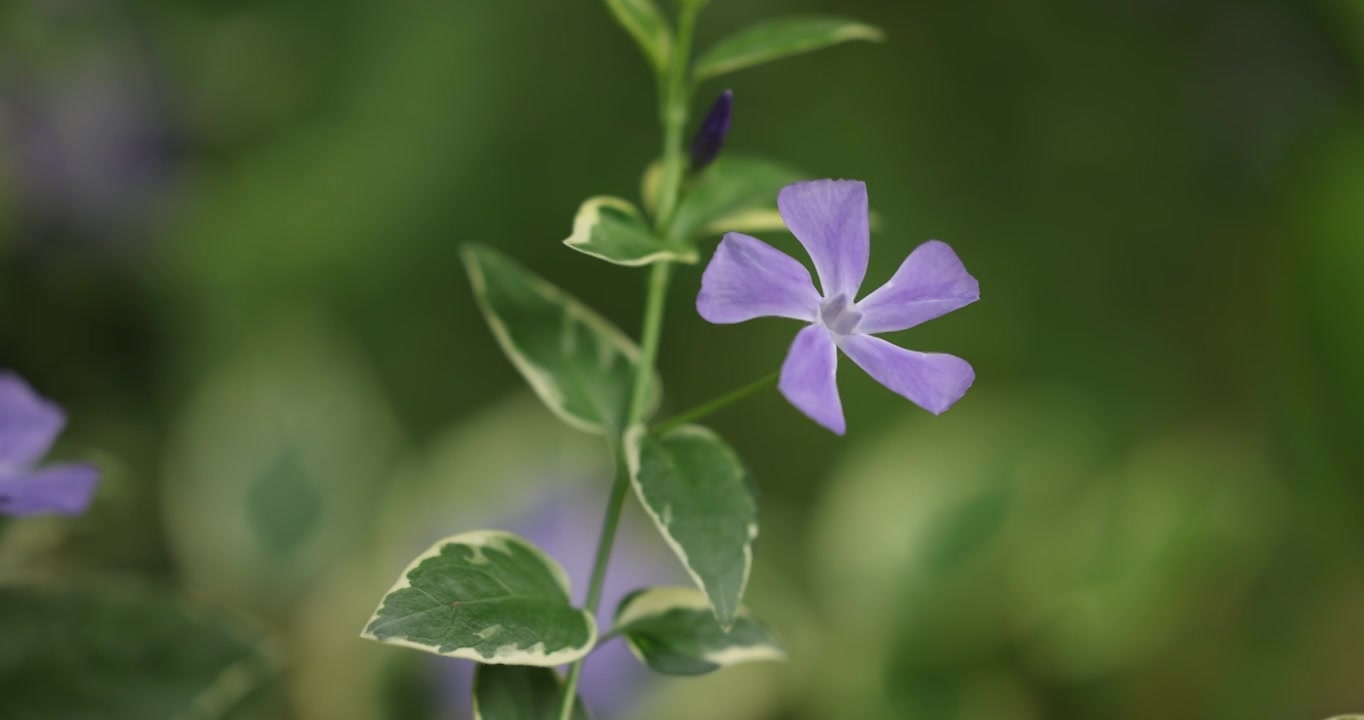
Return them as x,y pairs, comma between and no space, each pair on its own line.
747,278
930,283
830,218
933,381
809,377
28,423
63,489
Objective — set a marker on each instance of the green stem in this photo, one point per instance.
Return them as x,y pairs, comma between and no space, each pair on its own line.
673,114
673,103
723,401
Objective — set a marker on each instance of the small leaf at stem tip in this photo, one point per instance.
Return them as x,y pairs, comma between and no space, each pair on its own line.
673,631
580,365
650,185
699,496
776,39
646,24
488,596
710,138
517,692
611,229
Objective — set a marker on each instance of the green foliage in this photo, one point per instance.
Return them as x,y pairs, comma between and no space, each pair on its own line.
579,364
674,631
488,596
612,229
109,653
698,493
733,194
646,24
775,39
512,692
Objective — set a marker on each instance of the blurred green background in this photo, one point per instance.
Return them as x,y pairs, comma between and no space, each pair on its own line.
228,246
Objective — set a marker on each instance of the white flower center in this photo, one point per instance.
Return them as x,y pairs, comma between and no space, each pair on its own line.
840,315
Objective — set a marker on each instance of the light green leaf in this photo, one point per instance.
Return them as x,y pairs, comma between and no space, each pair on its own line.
580,365
730,195
673,631
513,692
109,652
651,185
646,24
697,492
611,228
776,39
488,596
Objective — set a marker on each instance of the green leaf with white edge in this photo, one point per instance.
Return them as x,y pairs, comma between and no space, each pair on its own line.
674,632
110,651
612,229
698,493
775,39
647,25
516,692
488,596
732,189
580,365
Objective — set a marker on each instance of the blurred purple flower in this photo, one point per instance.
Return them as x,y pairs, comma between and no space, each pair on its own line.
89,137
747,278
566,526
710,139
28,427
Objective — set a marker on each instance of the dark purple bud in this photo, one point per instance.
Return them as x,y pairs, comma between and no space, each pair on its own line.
711,137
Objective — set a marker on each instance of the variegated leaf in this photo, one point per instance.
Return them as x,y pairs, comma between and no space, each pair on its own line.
488,596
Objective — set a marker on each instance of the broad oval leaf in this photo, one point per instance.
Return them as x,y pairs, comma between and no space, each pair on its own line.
698,493
776,39
488,596
580,365
515,692
734,194
612,229
673,631
646,24
111,652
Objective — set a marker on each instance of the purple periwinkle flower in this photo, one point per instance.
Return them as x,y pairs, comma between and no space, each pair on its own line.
747,278
28,426
710,138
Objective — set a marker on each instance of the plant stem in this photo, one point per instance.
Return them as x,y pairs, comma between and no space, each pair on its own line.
673,92
673,114
723,401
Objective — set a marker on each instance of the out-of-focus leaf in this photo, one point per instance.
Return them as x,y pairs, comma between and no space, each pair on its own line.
488,596
650,185
775,39
274,469
646,24
917,531
734,194
110,653
674,631
611,229
697,491
1120,568
514,692
580,365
